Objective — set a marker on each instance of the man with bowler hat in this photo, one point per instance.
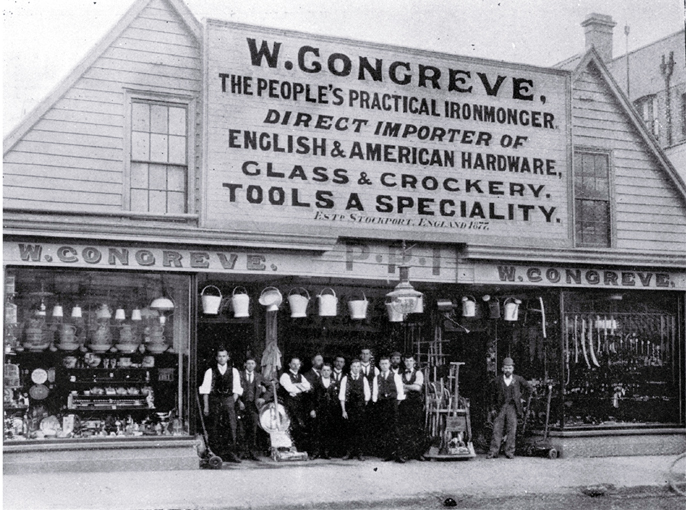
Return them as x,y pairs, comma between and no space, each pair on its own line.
509,390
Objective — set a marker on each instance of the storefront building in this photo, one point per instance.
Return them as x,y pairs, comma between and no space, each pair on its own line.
182,162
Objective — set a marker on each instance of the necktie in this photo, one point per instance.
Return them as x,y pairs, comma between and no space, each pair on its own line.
250,378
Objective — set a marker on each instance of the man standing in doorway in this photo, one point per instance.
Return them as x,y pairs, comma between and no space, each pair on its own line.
220,389
509,392
249,404
387,392
411,412
369,372
354,395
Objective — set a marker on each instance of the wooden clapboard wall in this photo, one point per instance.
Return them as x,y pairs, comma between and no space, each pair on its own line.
649,212
73,155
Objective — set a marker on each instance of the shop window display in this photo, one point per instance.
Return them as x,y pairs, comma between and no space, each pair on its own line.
621,359
92,354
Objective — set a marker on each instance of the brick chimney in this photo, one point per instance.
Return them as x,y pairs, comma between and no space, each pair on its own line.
598,31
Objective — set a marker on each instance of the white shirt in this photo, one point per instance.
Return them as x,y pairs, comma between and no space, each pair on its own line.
398,385
365,385
508,380
419,378
368,368
285,381
326,382
206,387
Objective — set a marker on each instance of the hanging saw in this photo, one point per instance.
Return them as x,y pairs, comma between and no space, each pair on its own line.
576,342
590,343
583,342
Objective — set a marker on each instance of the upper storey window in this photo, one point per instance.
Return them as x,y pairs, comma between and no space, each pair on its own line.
159,157
592,199
647,109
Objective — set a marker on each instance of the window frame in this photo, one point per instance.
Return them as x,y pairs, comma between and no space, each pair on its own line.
611,237
652,124
178,100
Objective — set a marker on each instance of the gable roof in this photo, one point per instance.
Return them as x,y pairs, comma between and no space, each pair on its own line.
194,27
592,58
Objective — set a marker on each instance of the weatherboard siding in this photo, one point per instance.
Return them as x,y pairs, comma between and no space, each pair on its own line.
649,216
74,156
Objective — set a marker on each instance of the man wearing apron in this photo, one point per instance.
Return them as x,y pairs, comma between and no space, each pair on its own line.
411,412
387,392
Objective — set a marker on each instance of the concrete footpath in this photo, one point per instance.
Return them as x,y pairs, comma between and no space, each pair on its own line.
330,483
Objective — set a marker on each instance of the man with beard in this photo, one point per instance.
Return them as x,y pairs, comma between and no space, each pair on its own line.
395,363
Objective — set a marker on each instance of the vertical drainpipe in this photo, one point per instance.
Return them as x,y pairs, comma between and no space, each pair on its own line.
667,68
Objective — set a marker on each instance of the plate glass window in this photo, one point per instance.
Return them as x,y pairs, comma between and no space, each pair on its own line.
592,199
159,161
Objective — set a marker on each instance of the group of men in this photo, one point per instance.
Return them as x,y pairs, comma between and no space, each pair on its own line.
364,410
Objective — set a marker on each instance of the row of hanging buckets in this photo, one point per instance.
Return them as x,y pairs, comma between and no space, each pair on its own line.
271,298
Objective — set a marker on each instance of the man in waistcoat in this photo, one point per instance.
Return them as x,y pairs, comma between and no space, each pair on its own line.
411,412
314,373
220,389
340,425
294,390
325,409
387,392
354,394
510,389
369,371
249,404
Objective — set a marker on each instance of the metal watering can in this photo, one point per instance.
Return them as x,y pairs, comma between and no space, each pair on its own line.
468,306
511,309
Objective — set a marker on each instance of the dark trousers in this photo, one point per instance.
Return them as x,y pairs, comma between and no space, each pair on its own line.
356,421
222,424
506,417
387,419
325,429
250,419
295,406
411,427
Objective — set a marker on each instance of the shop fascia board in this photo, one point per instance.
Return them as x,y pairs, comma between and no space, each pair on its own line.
574,256
164,234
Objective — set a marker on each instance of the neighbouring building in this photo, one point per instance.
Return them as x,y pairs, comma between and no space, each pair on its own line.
187,179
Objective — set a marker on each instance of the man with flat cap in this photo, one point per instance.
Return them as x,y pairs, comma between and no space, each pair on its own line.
509,392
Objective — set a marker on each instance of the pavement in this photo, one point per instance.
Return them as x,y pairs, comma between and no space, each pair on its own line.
333,484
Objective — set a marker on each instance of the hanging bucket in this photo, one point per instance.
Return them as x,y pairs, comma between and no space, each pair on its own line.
511,309
298,303
468,306
327,303
240,300
271,298
394,315
210,302
358,308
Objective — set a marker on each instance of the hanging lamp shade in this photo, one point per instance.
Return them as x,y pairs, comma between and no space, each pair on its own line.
162,304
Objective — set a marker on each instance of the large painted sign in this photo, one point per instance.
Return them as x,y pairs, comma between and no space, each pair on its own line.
314,134
345,259
556,276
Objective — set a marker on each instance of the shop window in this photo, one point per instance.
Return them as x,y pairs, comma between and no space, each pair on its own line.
159,157
621,360
592,199
88,355
647,109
